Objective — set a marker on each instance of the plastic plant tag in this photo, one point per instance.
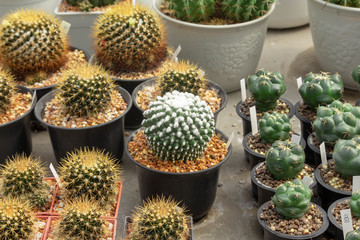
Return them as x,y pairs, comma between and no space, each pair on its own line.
346,220
52,169
243,89
295,138
307,180
230,140
174,56
299,82
66,26
356,184
323,154
253,118
133,3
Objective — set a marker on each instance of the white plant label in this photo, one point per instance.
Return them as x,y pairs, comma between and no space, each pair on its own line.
52,169
230,140
243,89
295,138
66,26
174,56
323,154
346,220
307,181
299,82
253,118
356,184
133,3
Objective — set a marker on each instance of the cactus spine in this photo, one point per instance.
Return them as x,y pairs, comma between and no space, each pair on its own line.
274,126
7,88
245,10
346,157
192,11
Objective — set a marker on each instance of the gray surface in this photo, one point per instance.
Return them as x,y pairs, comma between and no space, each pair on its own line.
233,215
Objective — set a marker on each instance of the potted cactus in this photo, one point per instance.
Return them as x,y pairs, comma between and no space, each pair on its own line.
353,235
356,76
291,206
86,110
265,88
159,218
179,146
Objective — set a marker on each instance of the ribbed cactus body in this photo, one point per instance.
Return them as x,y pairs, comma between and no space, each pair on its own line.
292,199
7,88
178,126
346,157
274,126
192,11
319,89
346,3
356,74
285,159
32,40
245,10
355,204
129,38
266,88
353,235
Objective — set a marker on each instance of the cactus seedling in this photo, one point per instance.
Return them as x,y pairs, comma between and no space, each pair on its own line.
160,218
355,204
285,159
7,88
353,235
356,74
245,10
266,88
274,126
292,199
192,11
178,126
319,89
346,157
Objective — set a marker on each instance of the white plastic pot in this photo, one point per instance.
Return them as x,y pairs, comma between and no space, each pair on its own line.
227,53
6,6
336,35
289,14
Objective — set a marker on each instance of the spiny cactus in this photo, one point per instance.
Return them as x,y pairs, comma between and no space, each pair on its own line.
274,126
32,40
266,88
245,10
192,11
85,89
129,38
355,204
292,199
346,3
285,159
356,74
338,121
160,218
178,126
346,157
319,89
7,88
16,220
94,3
90,173
182,77
353,235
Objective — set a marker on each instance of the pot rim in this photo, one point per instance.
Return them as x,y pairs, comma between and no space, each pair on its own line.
217,131
120,89
336,7
298,115
331,216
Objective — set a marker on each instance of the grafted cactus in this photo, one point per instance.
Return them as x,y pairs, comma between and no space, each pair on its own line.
274,126
192,11
355,204
356,74
346,3
285,159
266,88
245,10
178,126
346,157
353,235
292,199
7,88
319,89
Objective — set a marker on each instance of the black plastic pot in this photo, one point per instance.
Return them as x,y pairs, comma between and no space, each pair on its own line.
254,157
264,193
357,102
315,150
128,221
108,136
327,193
15,136
246,122
334,228
196,190
212,85
274,235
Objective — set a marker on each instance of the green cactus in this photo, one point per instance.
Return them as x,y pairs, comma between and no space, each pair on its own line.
285,159
7,88
346,157
178,126
355,204
292,199
338,121
129,39
274,126
319,89
245,10
266,88
93,3
192,11
353,235
346,3
32,40
160,218
356,74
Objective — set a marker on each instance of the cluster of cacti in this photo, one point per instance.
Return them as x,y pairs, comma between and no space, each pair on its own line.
16,220
355,204
353,235
85,89
338,121
292,199
93,3
178,126
319,89
182,77
245,10
192,11
266,88
32,40
274,126
22,177
346,157
356,74
285,159
346,3
90,173
160,218
130,38
7,88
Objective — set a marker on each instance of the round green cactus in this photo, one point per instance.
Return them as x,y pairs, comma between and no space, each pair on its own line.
266,88
355,204
346,157
274,126
178,126
353,235
192,11
356,74
292,199
319,89
245,10
346,3
285,159
7,88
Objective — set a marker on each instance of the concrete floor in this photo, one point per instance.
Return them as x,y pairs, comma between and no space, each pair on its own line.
233,215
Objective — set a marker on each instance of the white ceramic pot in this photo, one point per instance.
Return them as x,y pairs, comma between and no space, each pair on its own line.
289,14
227,53
6,6
336,35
